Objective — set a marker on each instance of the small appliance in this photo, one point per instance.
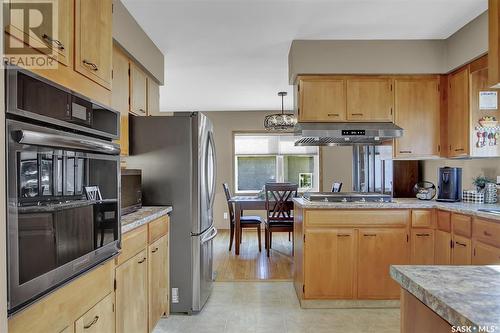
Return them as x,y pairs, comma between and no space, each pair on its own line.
131,190
424,190
450,184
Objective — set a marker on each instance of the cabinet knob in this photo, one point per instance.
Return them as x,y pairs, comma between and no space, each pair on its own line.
141,261
51,40
154,250
96,318
92,66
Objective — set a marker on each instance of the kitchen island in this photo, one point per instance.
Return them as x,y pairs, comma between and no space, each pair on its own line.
343,251
437,298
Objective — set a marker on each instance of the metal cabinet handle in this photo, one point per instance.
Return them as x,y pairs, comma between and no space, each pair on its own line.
142,110
486,233
154,250
343,235
333,115
141,261
461,244
356,114
91,65
459,149
58,43
369,235
405,151
423,235
96,318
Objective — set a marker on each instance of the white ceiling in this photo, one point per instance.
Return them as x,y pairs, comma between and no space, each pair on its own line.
225,55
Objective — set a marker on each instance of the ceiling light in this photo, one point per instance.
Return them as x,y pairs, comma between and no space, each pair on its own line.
280,121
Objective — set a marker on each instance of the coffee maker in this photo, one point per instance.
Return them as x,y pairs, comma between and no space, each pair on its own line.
450,184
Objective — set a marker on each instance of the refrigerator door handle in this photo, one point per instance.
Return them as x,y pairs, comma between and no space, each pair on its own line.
211,147
209,238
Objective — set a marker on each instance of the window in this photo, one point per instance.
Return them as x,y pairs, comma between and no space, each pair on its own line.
263,158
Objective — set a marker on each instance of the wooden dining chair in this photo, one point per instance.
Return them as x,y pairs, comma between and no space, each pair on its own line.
279,208
245,221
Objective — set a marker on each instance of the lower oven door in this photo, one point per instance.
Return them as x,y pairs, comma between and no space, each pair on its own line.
55,231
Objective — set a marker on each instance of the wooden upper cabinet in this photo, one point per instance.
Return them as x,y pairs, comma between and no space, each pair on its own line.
370,99
322,99
93,40
417,111
101,318
458,113
158,280
138,90
378,249
329,263
493,44
153,97
58,40
120,87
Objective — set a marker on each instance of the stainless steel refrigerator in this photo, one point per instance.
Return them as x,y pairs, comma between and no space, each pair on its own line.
177,157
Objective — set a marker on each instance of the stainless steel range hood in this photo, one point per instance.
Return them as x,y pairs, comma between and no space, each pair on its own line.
346,134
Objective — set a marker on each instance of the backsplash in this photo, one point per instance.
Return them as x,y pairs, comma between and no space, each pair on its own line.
489,167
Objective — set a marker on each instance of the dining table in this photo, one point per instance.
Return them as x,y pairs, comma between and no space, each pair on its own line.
242,203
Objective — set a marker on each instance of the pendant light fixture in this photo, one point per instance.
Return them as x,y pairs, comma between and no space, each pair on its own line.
280,121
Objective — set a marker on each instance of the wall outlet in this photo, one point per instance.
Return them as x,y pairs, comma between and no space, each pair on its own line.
175,295
225,216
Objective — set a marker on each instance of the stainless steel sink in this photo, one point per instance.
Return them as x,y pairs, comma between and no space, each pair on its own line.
489,210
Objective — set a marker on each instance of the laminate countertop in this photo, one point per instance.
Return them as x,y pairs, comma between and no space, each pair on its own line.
461,295
143,216
403,203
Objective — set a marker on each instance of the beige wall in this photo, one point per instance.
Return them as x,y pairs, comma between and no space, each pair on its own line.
129,34
389,56
489,167
337,161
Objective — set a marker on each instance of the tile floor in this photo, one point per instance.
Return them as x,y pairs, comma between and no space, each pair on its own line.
256,307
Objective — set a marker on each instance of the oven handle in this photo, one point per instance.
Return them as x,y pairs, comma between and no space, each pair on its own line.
68,142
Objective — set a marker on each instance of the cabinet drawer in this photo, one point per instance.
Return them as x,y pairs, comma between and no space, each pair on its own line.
487,232
421,218
98,319
318,218
158,228
444,220
461,224
133,242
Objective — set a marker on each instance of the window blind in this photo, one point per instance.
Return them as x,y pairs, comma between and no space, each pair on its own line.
268,144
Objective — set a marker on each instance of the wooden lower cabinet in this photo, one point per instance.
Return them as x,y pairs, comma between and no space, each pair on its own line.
132,295
329,263
462,251
416,317
422,247
378,249
442,248
158,284
99,319
484,254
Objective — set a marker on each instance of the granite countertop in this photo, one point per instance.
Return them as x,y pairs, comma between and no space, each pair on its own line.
461,295
143,216
403,203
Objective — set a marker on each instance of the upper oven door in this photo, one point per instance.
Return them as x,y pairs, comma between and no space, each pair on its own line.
55,230
34,97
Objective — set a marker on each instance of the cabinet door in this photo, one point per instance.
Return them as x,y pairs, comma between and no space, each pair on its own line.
120,87
461,252
369,99
329,263
422,247
484,254
124,135
458,113
153,98
57,40
322,100
138,84
377,250
442,248
417,112
93,40
158,280
99,319
132,295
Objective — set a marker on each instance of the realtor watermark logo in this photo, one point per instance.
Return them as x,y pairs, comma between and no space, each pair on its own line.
32,29
475,329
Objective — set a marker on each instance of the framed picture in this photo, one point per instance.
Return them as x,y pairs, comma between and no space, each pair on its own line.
305,180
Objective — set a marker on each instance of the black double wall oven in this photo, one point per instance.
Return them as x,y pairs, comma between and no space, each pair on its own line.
63,185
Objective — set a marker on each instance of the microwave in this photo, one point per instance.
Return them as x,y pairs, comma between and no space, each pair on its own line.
131,191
